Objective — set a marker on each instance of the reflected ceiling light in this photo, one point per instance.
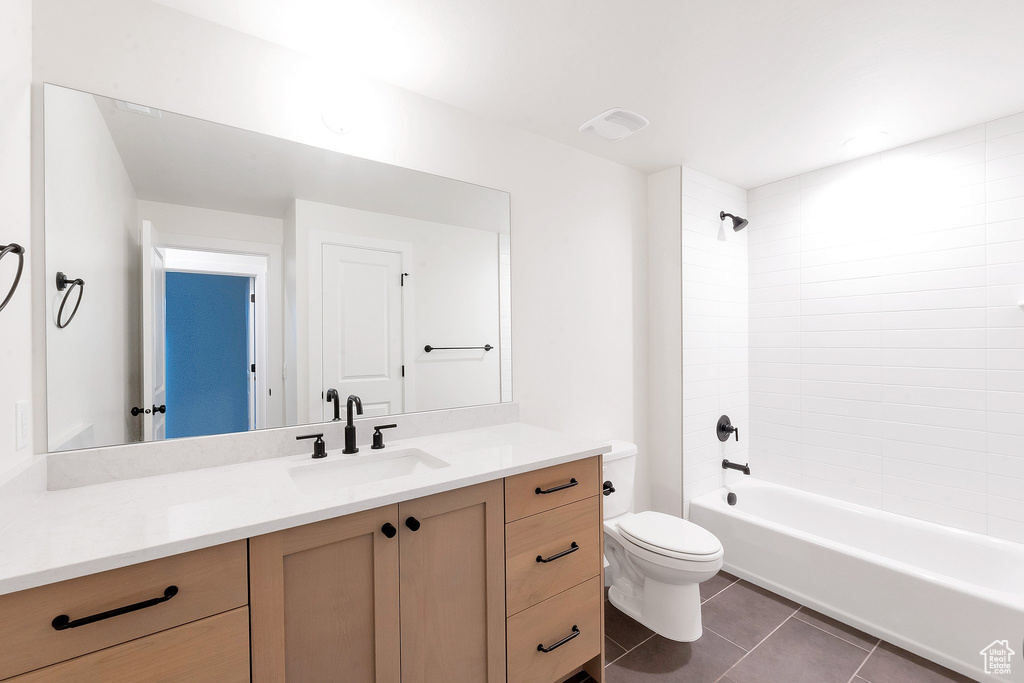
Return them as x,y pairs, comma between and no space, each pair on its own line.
139,109
615,124
866,141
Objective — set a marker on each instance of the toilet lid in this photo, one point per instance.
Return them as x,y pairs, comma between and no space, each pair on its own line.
657,530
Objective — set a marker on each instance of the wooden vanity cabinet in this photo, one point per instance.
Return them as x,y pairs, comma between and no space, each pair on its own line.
324,600
554,549
453,586
179,618
326,597
500,581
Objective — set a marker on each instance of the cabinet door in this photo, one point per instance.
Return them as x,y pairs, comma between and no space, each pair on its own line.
324,601
453,586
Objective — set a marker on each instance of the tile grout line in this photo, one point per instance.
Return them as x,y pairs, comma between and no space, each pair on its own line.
615,641
833,634
745,650
864,662
736,663
720,592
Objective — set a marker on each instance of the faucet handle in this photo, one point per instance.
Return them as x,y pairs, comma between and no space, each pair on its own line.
378,438
319,447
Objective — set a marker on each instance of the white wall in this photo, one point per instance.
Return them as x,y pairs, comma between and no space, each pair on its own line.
579,222
698,339
211,230
886,339
454,286
92,364
15,225
665,341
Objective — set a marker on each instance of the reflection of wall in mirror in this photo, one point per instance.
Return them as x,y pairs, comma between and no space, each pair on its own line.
455,281
93,374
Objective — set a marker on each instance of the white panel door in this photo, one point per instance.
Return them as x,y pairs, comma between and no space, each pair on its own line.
362,327
154,287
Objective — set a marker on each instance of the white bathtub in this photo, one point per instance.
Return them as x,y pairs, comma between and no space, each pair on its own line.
940,592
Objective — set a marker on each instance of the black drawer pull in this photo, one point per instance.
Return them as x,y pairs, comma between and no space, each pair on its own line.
563,641
63,621
572,548
572,482
389,530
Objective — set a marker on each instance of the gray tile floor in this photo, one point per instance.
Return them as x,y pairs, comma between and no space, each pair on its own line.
754,636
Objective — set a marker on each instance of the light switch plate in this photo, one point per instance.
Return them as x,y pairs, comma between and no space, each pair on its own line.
22,424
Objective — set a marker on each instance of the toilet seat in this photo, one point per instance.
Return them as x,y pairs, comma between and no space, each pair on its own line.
670,536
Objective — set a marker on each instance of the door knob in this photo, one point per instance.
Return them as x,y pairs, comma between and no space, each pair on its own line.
159,409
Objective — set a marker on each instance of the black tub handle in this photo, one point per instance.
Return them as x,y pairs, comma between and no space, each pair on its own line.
63,621
572,482
18,251
563,641
571,549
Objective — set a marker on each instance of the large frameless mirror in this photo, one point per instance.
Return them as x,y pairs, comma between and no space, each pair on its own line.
206,279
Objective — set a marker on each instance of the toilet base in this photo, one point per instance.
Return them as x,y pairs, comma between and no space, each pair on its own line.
672,611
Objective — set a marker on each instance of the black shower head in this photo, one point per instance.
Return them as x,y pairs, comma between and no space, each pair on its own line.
737,222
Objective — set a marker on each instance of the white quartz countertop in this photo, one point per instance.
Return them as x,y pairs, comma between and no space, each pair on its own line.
74,532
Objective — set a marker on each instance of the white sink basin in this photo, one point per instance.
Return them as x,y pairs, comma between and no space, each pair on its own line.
353,470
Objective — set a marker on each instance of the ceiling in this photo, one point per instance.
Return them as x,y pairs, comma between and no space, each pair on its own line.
746,90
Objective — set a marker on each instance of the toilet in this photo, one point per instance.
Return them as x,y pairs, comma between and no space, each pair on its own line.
655,561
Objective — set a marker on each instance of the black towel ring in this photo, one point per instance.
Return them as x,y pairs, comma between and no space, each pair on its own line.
18,251
64,282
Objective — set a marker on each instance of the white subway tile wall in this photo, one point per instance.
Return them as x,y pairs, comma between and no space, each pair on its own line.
886,335
715,331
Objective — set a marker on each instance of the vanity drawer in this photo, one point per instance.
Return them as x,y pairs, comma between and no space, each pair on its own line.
211,650
208,582
532,492
546,624
529,580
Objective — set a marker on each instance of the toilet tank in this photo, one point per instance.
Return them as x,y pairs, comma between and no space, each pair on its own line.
619,469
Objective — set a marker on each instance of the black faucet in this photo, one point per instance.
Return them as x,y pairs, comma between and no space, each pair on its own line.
332,397
726,465
350,429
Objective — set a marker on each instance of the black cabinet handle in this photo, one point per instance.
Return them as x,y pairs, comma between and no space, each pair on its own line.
389,530
413,524
572,482
159,409
63,621
572,548
563,641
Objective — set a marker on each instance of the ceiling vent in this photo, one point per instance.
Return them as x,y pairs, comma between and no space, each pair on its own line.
615,124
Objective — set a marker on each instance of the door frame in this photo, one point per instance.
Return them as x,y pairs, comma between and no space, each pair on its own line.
317,240
179,259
